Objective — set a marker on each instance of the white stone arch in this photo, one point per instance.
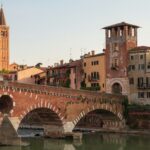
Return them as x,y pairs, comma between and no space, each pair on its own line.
40,104
123,83
106,107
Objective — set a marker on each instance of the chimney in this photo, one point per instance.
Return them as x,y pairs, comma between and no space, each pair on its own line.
61,62
93,52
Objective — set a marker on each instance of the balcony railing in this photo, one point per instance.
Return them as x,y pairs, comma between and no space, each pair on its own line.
90,79
143,86
114,67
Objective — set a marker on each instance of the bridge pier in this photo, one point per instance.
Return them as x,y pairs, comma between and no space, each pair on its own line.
53,131
8,134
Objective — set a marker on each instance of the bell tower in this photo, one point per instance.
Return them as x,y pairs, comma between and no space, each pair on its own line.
4,42
120,38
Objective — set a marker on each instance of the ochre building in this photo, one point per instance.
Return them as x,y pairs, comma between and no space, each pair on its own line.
94,71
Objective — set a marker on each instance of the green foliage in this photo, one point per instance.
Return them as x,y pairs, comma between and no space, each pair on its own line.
68,73
136,107
3,71
67,84
83,84
125,104
91,88
38,65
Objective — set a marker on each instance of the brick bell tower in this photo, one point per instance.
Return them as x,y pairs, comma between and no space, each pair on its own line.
120,38
4,42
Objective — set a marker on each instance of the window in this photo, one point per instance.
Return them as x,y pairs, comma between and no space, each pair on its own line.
140,94
132,32
109,33
141,66
95,75
85,75
131,67
141,56
140,81
148,81
131,80
84,64
148,94
148,67
94,63
115,47
131,57
121,32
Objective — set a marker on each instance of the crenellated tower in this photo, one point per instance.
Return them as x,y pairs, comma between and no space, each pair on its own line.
120,38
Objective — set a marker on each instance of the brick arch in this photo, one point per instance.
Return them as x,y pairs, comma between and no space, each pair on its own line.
40,104
106,107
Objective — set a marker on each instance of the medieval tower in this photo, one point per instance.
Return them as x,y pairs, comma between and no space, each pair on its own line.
4,42
120,38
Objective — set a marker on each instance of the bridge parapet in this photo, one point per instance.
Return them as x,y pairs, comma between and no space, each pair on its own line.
77,95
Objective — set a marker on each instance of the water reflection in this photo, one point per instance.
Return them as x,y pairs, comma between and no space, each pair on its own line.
89,142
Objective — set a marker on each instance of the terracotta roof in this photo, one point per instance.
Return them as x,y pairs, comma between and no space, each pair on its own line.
41,74
100,54
139,49
2,17
121,25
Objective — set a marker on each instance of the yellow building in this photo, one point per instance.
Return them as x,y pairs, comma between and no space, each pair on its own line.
4,42
94,71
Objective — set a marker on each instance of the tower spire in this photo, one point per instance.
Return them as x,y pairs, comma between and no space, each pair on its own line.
2,16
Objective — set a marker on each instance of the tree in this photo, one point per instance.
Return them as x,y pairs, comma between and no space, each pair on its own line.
38,65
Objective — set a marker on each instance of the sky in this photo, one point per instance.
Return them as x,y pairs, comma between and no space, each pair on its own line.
47,31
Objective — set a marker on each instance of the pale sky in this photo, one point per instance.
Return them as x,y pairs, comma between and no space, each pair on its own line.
48,30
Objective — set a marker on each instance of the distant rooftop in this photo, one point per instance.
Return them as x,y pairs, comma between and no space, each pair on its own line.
140,49
121,25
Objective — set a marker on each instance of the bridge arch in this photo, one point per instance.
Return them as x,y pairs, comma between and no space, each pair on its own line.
106,107
43,106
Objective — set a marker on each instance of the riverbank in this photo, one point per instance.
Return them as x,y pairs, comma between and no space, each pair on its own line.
123,131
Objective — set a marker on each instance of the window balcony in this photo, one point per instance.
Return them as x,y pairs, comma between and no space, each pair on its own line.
143,86
91,79
114,67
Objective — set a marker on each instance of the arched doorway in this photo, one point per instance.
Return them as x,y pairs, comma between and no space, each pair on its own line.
6,104
40,121
116,88
96,119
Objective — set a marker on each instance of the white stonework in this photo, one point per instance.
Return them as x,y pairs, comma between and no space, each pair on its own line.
68,127
124,83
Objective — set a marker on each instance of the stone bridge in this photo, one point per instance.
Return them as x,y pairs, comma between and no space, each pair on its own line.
62,108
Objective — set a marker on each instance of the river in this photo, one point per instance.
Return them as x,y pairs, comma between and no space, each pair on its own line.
92,141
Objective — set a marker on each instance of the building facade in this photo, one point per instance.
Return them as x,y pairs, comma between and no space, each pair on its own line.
94,71
139,75
119,39
4,42
66,74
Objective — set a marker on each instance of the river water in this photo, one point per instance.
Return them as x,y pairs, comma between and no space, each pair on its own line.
93,141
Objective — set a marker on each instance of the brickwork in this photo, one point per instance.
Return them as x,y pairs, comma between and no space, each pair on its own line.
69,105
120,38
